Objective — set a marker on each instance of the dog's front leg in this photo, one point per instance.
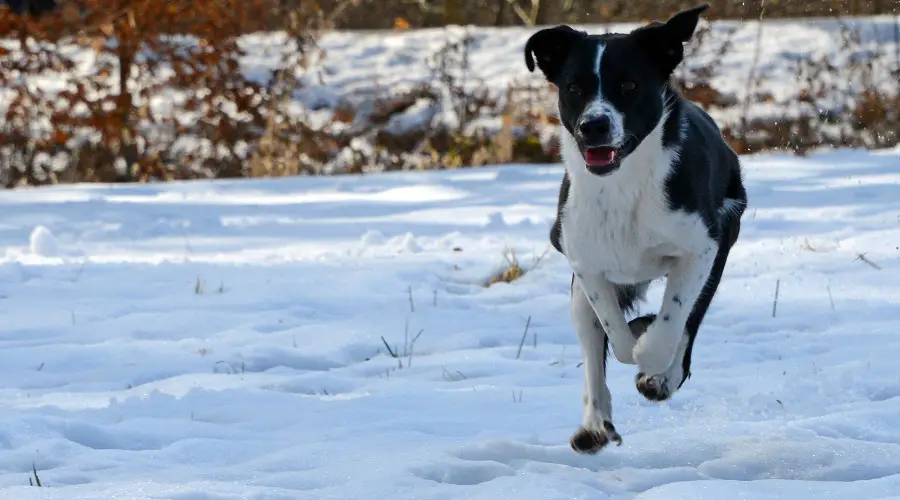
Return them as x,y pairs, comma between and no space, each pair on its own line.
658,347
597,429
603,299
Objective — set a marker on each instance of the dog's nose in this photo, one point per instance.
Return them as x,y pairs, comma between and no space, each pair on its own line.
596,129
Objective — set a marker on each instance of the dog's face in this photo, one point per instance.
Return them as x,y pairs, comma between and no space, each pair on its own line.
611,87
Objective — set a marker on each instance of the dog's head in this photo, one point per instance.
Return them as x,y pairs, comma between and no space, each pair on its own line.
611,87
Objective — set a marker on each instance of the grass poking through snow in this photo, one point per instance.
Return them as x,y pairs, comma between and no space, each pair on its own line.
511,270
35,480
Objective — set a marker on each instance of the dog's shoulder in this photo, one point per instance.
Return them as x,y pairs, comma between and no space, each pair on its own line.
706,169
703,140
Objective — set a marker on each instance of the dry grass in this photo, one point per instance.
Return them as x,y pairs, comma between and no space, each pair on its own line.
511,270
278,143
34,480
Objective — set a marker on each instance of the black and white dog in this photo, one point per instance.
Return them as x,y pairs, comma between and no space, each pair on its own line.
650,190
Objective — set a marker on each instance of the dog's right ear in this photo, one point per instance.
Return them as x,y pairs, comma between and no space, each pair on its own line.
665,41
551,46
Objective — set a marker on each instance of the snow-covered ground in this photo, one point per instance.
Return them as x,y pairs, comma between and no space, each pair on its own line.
223,341
357,67
379,63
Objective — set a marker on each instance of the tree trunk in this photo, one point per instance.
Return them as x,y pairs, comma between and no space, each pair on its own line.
125,107
543,13
501,13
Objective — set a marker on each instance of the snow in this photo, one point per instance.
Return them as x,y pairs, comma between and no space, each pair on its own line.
226,340
356,68
42,242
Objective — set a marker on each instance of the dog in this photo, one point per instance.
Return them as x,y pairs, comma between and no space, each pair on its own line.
650,190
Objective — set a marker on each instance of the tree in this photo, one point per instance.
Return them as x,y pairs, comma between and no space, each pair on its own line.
33,7
142,48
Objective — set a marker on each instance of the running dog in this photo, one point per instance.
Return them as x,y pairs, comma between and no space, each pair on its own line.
651,190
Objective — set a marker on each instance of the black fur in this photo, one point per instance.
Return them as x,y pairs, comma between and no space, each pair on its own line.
556,229
634,79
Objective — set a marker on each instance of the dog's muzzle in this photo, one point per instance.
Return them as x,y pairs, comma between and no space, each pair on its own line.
595,137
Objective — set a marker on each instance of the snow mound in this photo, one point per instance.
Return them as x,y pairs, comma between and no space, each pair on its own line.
43,243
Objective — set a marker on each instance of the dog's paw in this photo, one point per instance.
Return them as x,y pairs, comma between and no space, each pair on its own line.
655,350
654,388
640,324
590,441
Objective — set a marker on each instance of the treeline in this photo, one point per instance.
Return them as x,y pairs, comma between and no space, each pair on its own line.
384,14
432,13
143,90
101,123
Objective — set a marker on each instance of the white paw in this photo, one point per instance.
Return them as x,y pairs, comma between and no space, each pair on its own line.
655,349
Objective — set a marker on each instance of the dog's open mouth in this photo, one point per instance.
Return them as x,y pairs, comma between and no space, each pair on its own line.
601,160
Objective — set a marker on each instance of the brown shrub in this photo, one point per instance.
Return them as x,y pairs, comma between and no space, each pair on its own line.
103,122
101,126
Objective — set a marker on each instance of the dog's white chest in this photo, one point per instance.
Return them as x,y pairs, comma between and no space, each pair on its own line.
626,241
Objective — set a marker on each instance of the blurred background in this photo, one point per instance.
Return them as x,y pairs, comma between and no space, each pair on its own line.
149,90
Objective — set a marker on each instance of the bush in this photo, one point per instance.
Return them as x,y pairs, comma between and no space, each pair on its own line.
111,84
100,125
379,14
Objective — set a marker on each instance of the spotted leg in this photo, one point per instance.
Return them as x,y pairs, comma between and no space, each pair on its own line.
608,302
659,385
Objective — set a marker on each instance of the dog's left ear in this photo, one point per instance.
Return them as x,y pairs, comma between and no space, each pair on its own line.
665,41
551,47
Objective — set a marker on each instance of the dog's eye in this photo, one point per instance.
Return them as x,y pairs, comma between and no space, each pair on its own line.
628,86
574,88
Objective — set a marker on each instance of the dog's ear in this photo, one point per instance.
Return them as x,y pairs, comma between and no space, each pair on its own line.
551,47
665,41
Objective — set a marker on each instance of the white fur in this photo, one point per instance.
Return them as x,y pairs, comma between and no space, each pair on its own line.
597,401
673,376
618,229
731,207
601,295
654,352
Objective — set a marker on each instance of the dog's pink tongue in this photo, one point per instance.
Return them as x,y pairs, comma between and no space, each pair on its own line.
600,157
